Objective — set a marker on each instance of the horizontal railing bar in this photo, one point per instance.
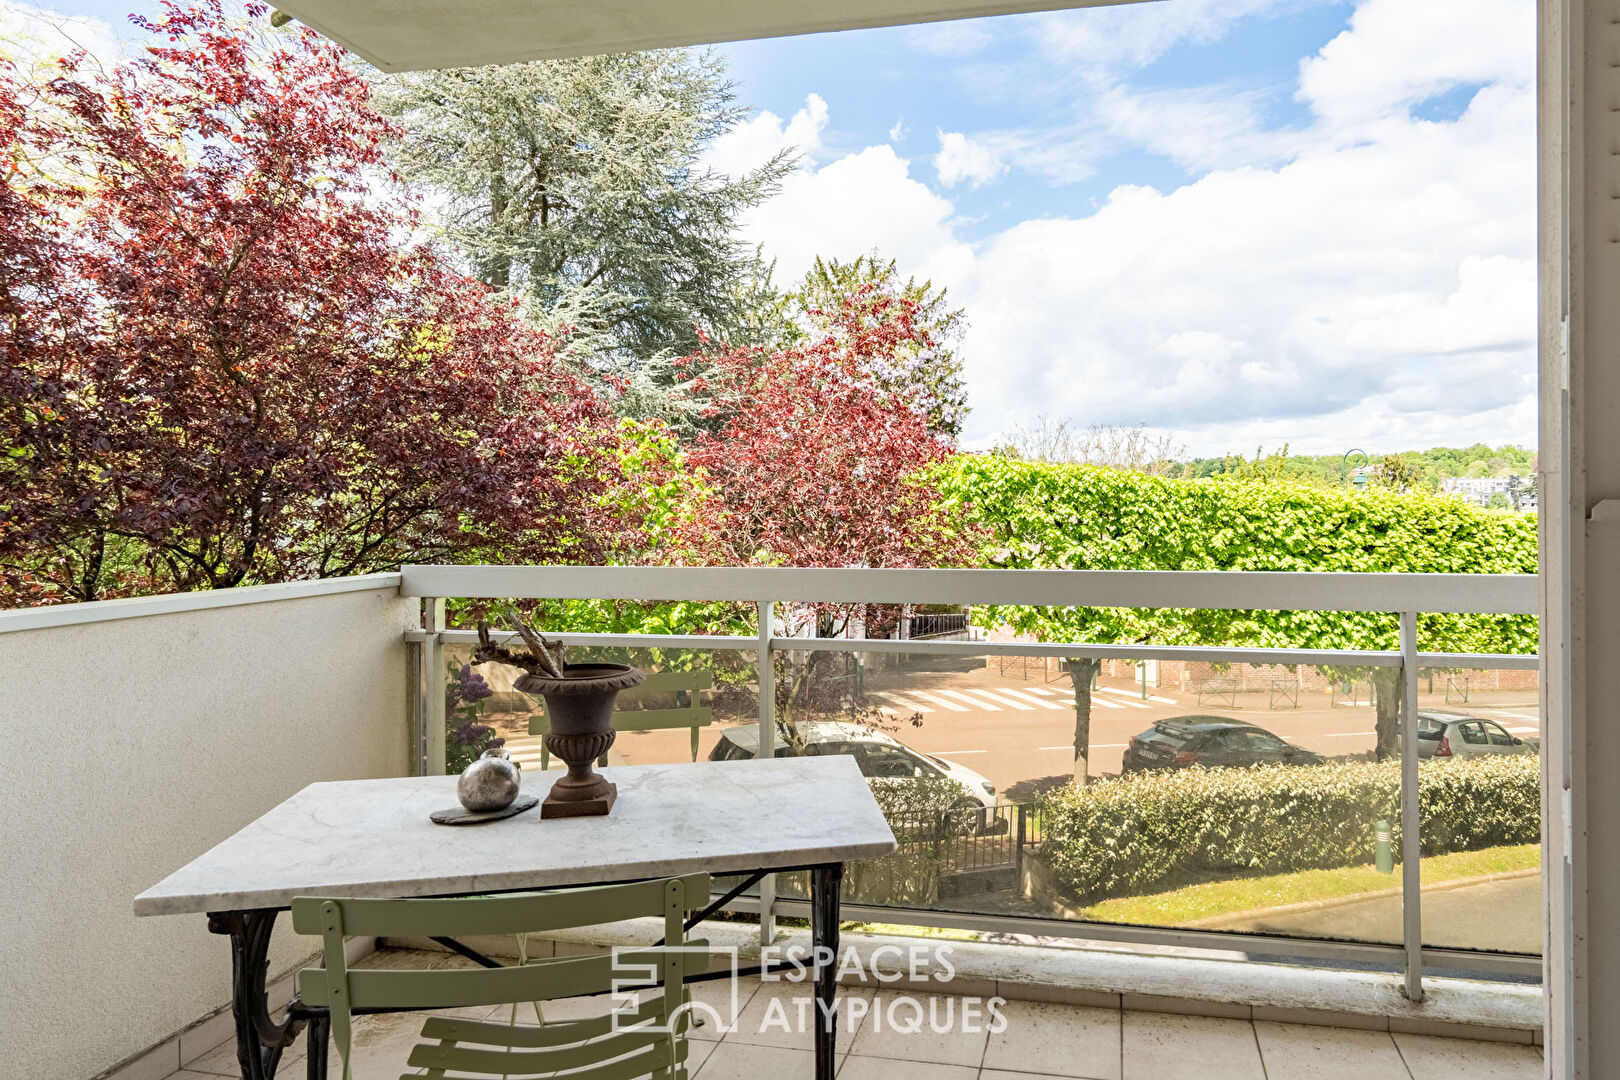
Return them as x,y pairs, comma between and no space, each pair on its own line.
614,641
1481,661
1207,653
1212,653
1495,594
1391,956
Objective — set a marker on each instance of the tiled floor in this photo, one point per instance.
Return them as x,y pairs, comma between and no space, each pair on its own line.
1038,1040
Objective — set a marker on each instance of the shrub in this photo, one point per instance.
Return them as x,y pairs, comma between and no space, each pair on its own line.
1164,829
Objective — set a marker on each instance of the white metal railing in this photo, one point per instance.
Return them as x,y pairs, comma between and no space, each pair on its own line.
1406,595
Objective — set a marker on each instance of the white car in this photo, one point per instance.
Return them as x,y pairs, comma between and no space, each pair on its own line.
1443,735
879,756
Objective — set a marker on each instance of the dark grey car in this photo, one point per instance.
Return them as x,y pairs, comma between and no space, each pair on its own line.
1214,741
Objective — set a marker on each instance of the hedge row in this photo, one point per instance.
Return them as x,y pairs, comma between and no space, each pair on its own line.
1168,828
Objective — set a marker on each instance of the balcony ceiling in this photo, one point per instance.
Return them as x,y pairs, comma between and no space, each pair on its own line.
412,35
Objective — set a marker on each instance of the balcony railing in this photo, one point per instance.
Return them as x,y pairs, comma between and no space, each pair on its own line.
1405,595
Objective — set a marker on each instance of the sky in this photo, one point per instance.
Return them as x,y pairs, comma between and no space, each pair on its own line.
1247,223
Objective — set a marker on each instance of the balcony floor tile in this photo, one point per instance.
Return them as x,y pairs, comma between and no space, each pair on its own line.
1162,1046
1042,1040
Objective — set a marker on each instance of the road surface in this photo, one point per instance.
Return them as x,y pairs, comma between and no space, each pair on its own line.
1503,915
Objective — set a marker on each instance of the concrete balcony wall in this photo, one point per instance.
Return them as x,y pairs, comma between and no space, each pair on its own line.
137,735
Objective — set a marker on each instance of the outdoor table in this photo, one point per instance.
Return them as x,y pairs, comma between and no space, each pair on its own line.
372,838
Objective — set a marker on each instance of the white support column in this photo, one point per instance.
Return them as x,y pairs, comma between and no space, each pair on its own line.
433,687
766,673
1579,130
1411,819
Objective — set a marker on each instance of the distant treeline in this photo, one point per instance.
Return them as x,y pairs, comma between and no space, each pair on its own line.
1429,466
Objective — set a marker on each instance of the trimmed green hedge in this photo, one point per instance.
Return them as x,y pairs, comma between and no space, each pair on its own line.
1168,828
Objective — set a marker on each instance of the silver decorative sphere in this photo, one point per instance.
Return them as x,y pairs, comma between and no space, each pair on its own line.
490,783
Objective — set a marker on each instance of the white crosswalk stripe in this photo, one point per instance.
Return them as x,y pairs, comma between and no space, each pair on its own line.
959,696
1001,698
1045,703
1104,703
904,703
1135,693
937,700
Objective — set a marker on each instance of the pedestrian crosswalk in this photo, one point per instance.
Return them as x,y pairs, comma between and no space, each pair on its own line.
959,696
943,703
908,704
1003,698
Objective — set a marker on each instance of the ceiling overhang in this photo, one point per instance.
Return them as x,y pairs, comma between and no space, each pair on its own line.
413,35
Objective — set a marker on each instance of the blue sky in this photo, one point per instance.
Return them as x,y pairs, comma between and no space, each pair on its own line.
977,75
1241,222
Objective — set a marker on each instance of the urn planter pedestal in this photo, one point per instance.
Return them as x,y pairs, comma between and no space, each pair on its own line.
580,707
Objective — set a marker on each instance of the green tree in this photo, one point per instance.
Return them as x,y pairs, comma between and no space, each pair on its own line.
1083,517
1399,472
579,185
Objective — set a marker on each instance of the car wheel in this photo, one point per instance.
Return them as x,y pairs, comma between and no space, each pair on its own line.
971,813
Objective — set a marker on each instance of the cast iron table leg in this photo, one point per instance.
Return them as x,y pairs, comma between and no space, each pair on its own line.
259,1039
826,882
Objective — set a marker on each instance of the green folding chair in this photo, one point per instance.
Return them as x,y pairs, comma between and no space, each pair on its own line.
692,715
646,1040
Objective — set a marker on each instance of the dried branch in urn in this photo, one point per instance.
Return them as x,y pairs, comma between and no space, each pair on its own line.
542,658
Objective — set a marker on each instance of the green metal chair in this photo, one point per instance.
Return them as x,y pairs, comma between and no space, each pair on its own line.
648,1042
692,715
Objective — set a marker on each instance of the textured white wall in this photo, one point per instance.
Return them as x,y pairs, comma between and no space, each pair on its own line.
127,748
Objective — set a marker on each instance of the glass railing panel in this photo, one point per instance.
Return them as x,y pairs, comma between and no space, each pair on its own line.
1480,733
1221,797
653,726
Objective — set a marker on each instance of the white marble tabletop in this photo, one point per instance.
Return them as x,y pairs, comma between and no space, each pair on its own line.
373,837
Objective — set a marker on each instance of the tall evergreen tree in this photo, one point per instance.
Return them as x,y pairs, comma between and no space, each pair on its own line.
579,185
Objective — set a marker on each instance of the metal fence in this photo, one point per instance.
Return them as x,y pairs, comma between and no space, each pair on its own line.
1405,595
926,626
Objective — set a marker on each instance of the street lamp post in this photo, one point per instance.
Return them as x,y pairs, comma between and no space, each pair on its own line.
1344,468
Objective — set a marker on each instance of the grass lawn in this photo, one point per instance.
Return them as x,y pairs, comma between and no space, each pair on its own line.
1247,894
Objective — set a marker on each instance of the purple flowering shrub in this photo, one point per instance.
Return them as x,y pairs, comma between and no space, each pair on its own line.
466,735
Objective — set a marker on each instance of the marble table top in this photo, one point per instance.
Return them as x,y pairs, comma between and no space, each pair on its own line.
373,837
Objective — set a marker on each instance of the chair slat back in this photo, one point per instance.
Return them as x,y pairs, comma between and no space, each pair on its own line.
597,1049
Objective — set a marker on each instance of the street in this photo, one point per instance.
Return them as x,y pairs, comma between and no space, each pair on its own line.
1019,733
1502,915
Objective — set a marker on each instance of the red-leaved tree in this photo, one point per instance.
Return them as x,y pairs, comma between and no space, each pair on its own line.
818,459
228,360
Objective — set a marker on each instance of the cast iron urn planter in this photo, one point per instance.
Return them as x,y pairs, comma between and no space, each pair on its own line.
580,705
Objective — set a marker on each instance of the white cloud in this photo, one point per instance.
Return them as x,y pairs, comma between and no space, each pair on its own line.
1132,35
961,158
755,141
848,207
1397,54
898,132
1366,278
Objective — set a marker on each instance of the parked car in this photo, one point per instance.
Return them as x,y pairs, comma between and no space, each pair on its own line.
1444,735
879,757
1211,740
